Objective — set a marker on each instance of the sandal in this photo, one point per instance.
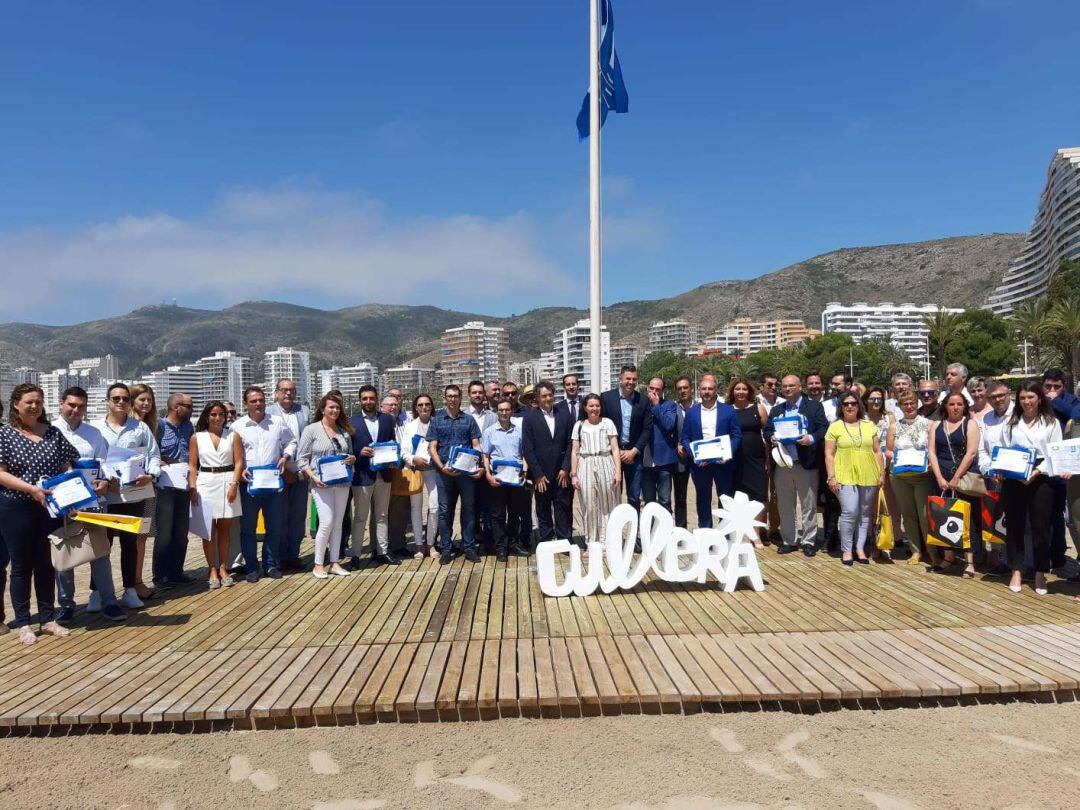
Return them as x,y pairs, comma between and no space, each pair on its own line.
419,555
143,592
54,629
913,560
969,573
26,635
433,552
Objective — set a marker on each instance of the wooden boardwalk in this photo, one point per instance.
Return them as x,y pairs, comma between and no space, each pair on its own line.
422,642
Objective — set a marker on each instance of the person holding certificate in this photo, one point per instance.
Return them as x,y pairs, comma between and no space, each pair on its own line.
501,442
953,449
173,505
415,456
1028,502
855,469
216,457
30,449
325,457
710,419
453,428
371,488
907,455
144,408
129,437
546,445
268,445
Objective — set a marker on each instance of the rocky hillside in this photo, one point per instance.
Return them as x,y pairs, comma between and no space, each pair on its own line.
960,272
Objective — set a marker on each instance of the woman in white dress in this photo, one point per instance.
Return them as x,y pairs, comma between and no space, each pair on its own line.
594,465
423,408
214,478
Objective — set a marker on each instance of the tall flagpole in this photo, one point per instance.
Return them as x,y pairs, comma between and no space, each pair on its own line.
598,384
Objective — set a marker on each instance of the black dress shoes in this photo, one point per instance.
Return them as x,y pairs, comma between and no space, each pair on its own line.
386,559
786,549
472,556
446,558
809,551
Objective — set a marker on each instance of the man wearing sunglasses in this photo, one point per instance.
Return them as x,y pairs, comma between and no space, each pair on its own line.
172,510
928,398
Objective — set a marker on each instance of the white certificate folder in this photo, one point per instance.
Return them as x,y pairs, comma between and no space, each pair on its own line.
789,429
1013,462
712,451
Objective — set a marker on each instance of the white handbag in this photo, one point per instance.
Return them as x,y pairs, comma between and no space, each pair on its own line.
74,543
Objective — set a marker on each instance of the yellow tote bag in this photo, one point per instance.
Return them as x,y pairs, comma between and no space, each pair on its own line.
885,539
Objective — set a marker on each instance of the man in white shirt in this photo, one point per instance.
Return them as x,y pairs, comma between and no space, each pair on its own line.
956,375
993,421
267,440
294,499
92,447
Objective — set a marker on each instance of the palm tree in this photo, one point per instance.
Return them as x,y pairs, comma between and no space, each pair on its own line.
943,328
1029,320
1063,332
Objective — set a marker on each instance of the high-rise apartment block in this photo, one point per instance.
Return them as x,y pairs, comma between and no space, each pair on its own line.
474,352
524,373
902,325
678,336
624,354
88,373
412,380
1055,235
347,379
287,363
572,354
744,336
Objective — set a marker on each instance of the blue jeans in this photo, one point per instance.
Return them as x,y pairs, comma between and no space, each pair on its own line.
631,475
656,485
171,519
452,487
271,506
293,518
100,571
720,475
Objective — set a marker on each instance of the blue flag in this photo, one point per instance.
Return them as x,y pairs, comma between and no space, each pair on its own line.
612,90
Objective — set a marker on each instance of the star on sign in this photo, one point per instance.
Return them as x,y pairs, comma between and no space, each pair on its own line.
738,517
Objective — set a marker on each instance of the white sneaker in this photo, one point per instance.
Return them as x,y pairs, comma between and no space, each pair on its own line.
130,599
93,604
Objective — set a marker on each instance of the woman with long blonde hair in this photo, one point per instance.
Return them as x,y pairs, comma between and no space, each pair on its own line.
144,408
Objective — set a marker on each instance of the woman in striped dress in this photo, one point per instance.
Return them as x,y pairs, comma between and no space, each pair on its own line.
594,464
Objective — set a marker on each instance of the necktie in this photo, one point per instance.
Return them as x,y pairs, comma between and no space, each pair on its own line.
573,410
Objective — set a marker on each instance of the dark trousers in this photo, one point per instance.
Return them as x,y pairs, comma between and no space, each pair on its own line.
483,529
524,524
680,479
705,478
553,512
294,506
129,550
453,488
631,476
506,507
656,486
1028,505
271,506
171,519
1057,522
830,511
26,526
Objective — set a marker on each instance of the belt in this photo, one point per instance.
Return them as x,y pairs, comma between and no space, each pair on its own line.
594,455
230,468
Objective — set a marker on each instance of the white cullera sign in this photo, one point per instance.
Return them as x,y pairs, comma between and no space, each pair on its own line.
673,553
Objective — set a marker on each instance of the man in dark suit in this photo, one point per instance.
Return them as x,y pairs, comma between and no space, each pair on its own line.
370,486
797,484
709,419
545,440
632,416
661,457
572,405
680,476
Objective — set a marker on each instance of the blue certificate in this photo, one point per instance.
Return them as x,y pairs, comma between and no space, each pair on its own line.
1013,462
266,479
333,470
507,472
387,455
789,429
69,492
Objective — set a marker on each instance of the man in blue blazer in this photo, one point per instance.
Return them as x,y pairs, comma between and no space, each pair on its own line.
371,486
796,481
661,457
632,416
706,420
545,443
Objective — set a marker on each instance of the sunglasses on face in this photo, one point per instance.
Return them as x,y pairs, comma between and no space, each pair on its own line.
849,405
119,399
927,394
875,400
230,413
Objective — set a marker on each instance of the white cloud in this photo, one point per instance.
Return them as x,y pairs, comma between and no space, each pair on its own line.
291,242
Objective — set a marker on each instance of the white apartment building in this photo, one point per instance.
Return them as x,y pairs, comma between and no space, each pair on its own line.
527,372
178,380
225,375
287,363
347,379
412,380
1054,235
88,373
744,336
474,352
678,336
572,354
901,325
624,354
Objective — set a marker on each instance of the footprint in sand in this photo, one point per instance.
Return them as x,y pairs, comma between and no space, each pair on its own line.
481,765
499,790
883,801
765,769
264,781
809,766
350,804
424,776
151,763
323,764
1020,742
792,741
239,768
727,739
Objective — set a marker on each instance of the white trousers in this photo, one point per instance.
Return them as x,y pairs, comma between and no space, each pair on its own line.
363,496
416,507
330,503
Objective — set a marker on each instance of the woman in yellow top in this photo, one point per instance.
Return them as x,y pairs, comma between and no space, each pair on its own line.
856,468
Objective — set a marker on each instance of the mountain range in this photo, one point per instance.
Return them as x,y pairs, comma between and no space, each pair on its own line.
959,271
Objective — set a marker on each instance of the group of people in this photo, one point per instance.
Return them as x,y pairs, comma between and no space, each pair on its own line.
492,458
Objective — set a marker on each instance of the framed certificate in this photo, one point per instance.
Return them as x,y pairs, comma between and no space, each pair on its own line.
1064,457
69,492
1015,463
464,459
333,470
789,429
712,451
910,460
265,480
421,448
387,455
507,472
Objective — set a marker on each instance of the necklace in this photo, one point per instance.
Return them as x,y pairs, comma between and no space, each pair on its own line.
855,442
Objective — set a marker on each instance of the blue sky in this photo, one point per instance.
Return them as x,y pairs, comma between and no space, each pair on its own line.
424,152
